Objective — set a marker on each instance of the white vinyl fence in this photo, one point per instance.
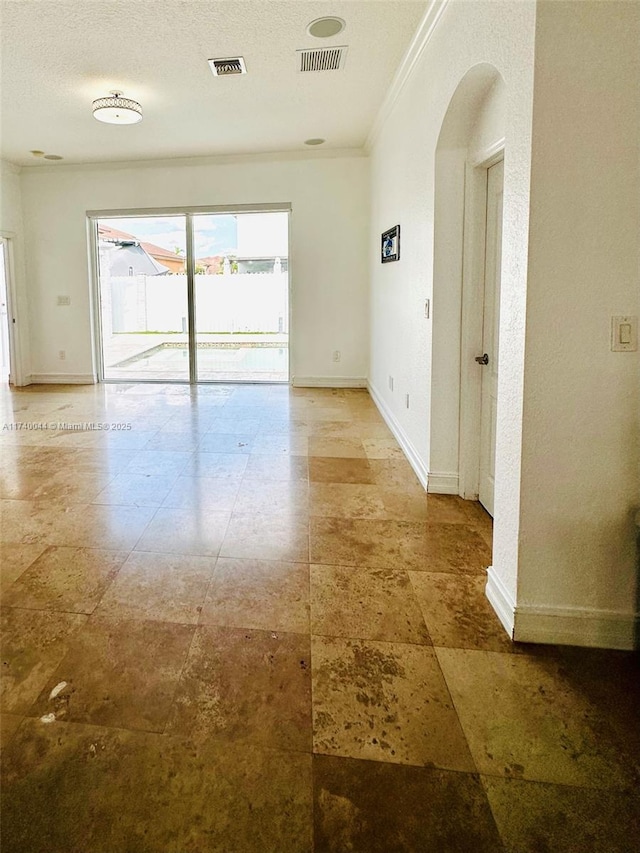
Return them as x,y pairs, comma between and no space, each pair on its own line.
240,302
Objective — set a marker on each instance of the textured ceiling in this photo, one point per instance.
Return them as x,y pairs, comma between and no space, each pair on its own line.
59,55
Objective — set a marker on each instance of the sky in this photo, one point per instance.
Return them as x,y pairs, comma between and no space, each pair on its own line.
214,234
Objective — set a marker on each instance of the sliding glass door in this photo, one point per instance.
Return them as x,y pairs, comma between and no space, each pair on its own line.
194,296
143,298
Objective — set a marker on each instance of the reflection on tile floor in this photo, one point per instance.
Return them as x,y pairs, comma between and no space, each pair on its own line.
242,626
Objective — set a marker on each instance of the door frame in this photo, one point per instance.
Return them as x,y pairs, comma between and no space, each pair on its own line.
16,368
473,272
92,217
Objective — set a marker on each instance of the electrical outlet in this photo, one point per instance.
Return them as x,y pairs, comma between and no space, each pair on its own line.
64,300
391,383
62,354
336,355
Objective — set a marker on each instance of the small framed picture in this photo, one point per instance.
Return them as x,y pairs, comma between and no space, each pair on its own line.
390,245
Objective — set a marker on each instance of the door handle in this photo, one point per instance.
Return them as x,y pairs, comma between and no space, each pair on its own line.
483,359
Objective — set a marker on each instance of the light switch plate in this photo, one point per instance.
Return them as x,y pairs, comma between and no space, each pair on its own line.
624,334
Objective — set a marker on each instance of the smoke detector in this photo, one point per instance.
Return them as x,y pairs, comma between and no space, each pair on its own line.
322,58
229,67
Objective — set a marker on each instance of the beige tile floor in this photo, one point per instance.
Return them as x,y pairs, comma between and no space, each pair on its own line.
241,626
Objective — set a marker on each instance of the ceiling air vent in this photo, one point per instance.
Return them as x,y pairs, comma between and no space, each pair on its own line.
227,67
322,59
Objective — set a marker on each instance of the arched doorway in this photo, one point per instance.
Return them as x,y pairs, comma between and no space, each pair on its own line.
467,252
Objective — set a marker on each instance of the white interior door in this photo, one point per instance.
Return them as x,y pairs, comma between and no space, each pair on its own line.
490,326
5,349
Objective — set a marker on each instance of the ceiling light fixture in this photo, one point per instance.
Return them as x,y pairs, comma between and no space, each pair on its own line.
323,28
314,141
117,110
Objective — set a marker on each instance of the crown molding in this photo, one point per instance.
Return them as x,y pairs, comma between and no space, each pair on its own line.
211,160
8,166
422,37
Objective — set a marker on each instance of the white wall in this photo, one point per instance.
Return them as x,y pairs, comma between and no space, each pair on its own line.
564,564
403,174
263,235
11,226
580,484
329,229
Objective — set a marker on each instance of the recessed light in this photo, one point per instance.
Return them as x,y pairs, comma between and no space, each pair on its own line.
323,28
53,157
314,141
37,153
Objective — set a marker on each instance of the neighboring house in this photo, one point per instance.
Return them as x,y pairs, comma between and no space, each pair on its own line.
174,262
211,265
125,255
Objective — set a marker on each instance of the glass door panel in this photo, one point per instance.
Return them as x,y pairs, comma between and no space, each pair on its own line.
143,298
241,292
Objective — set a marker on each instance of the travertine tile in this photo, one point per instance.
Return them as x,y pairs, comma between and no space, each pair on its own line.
167,462
395,474
241,684
217,494
216,465
382,448
8,726
358,542
336,447
372,604
456,548
268,595
265,466
215,442
33,644
181,531
116,528
326,469
523,720
162,587
136,490
533,816
458,614
27,522
66,579
346,500
378,808
14,560
267,536
280,445
87,788
272,496
118,673
384,702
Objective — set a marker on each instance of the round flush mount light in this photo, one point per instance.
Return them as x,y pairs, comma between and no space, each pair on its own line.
323,28
117,109
53,157
37,153
314,141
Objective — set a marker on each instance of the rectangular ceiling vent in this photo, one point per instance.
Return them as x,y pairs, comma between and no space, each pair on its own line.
322,59
227,67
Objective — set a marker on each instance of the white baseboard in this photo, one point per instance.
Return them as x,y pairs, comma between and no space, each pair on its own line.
501,600
562,626
62,379
409,450
574,626
443,483
329,382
